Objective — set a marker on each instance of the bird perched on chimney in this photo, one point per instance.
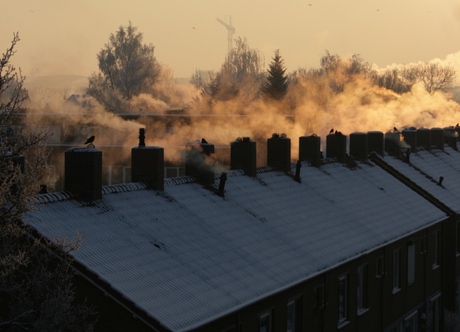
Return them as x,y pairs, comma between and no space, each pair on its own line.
204,141
331,131
90,140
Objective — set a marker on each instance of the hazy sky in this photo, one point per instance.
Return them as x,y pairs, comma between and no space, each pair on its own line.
64,36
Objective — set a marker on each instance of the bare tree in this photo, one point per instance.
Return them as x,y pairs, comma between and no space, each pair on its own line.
17,142
35,285
392,80
337,71
240,73
434,76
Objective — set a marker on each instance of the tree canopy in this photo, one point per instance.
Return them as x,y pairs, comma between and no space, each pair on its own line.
241,72
36,291
127,67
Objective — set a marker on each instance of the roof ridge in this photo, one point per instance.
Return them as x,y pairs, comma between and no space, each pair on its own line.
56,196
123,187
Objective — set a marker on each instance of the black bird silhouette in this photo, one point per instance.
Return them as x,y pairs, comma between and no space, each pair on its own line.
204,141
90,140
331,131
395,129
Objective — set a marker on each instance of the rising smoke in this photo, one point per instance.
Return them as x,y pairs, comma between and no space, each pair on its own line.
310,107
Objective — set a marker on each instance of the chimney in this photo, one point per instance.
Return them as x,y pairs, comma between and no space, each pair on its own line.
437,138
375,142
243,155
83,173
410,137
147,164
423,138
358,146
450,137
196,164
279,152
310,149
393,143
336,146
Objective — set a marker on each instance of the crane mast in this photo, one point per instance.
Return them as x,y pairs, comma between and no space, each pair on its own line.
230,30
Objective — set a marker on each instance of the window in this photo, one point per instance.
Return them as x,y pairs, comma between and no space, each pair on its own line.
230,329
423,245
411,322
410,263
380,267
362,287
343,299
458,238
319,296
265,322
436,249
396,270
436,312
293,315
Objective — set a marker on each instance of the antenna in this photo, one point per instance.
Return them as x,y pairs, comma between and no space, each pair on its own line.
231,31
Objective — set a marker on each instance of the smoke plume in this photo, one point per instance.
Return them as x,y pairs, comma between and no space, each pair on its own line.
310,107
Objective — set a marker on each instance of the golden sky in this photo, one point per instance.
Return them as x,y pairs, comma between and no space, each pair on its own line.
64,36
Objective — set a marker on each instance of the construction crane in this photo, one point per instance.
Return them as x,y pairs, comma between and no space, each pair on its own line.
231,31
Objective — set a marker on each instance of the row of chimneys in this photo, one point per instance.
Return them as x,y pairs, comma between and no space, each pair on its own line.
83,166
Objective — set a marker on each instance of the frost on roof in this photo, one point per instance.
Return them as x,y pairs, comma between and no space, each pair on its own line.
187,255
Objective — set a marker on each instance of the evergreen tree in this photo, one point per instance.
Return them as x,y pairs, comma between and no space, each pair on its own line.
277,83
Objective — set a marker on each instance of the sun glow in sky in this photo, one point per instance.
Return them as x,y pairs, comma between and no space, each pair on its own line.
63,37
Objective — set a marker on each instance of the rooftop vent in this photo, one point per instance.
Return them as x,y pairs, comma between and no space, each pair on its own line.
437,138
83,173
147,164
197,161
279,152
243,155
375,142
358,146
310,149
336,146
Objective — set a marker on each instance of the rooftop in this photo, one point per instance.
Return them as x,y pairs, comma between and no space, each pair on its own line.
187,256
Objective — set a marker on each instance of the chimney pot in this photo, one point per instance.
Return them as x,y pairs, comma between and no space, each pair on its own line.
83,173
196,164
336,146
141,137
279,153
243,156
310,149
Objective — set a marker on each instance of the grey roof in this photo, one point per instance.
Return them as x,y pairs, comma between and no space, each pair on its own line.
188,256
426,168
